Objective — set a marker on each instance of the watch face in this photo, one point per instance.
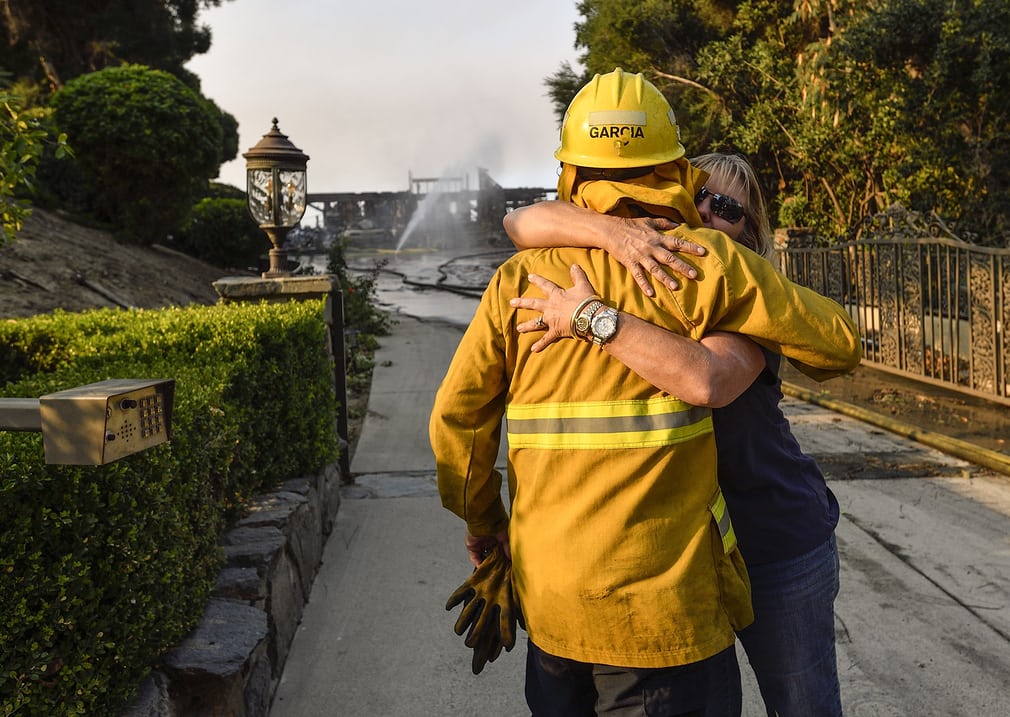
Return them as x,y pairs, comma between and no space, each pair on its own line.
604,324
584,320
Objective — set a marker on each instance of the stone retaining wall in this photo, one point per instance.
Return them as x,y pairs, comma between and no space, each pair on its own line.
230,664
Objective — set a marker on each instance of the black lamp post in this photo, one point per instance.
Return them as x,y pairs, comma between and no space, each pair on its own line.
276,191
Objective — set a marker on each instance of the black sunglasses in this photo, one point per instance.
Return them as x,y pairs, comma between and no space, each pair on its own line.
722,206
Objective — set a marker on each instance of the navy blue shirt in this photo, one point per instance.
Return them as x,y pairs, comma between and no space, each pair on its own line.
778,500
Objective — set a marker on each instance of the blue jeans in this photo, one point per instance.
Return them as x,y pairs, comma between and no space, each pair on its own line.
559,687
791,643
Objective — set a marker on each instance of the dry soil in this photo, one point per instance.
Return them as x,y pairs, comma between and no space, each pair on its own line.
57,264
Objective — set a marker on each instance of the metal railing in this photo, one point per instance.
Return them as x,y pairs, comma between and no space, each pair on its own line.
935,309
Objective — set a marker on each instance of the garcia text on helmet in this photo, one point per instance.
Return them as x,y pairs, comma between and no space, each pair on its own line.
616,131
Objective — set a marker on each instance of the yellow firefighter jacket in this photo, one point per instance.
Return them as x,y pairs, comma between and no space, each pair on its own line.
623,553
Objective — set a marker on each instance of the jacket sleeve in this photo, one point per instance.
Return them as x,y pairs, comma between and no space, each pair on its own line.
740,291
466,419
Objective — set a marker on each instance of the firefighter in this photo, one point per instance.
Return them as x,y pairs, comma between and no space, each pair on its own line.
624,558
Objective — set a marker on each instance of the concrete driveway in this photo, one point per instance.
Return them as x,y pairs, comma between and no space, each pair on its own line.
923,619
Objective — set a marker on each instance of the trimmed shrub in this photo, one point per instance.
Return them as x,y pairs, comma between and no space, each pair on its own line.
145,144
104,568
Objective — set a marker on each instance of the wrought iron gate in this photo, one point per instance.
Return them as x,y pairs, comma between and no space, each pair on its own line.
936,309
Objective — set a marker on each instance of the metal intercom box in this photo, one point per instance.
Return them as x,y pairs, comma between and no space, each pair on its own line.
102,422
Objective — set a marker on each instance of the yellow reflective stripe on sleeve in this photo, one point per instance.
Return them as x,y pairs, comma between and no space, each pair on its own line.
601,425
721,515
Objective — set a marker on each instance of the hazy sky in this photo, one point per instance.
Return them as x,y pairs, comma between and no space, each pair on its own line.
374,91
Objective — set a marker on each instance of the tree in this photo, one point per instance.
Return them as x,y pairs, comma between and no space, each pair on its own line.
22,141
54,41
47,43
562,86
146,146
844,106
930,82
657,37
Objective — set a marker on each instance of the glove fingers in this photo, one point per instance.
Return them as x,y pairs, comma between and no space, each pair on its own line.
507,627
505,599
469,615
493,648
485,624
496,647
477,663
464,592
484,651
504,614
486,614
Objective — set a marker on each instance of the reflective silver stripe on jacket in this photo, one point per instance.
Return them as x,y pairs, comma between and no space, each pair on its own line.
601,425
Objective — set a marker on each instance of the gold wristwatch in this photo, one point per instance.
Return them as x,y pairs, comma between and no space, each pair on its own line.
583,319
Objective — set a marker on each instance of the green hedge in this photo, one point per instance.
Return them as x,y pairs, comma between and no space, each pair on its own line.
104,568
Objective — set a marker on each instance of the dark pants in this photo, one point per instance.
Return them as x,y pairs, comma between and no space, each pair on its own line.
791,644
557,687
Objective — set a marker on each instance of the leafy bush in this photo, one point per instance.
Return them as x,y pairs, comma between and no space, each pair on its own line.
221,232
103,568
146,146
360,311
363,320
23,137
220,190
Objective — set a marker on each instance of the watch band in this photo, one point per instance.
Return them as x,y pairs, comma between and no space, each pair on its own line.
578,310
583,315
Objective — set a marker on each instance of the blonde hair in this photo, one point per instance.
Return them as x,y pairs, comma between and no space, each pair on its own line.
735,174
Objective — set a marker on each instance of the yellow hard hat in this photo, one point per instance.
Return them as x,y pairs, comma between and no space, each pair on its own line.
619,120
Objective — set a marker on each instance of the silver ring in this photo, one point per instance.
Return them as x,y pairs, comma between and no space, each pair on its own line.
540,322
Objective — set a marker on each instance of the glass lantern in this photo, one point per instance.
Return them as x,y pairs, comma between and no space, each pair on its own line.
277,192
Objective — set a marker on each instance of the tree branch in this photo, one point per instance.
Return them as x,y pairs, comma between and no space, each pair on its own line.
684,81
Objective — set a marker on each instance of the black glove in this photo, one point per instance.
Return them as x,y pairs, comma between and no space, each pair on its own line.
490,610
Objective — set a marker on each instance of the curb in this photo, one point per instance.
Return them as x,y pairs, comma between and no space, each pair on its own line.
232,661
952,446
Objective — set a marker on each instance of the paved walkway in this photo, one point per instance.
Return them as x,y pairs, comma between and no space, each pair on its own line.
923,619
